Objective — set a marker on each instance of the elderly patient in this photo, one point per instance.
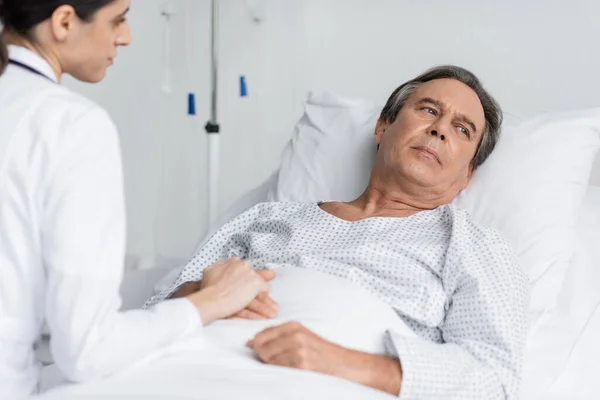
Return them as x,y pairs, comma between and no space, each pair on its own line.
455,283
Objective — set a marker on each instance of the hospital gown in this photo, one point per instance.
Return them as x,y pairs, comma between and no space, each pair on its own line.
455,283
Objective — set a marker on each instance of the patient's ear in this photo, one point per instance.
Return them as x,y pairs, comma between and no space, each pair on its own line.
380,129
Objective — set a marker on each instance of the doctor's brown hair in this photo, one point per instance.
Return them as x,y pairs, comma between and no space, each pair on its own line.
3,56
21,16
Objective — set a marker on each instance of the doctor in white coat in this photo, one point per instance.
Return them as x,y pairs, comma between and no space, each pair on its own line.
62,219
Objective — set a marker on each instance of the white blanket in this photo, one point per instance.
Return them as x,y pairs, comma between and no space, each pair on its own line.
213,363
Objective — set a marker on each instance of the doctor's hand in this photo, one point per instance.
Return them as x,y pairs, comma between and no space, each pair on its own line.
227,287
292,345
263,306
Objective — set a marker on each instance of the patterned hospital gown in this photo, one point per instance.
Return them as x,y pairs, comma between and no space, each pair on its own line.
455,283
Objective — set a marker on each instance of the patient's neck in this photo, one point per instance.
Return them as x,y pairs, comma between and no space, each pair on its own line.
386,198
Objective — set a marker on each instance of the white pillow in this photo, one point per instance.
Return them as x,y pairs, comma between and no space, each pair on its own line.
530,188
564,343
331,150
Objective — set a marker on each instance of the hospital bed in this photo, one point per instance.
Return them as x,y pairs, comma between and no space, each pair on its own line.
562,345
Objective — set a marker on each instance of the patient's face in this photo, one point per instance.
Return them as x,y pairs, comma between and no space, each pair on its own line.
434,138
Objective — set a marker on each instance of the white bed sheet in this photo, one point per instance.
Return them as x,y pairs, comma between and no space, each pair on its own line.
179,380
215,364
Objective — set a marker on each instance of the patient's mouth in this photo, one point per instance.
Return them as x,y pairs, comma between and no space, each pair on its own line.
431,152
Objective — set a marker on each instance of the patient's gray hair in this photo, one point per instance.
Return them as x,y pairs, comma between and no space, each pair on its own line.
491,108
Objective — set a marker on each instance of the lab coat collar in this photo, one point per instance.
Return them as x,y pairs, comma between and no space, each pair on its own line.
27,57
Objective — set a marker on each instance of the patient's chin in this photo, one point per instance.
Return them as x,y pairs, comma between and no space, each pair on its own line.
334,308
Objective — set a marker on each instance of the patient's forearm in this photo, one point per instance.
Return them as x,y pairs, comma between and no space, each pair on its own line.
186,289
379,372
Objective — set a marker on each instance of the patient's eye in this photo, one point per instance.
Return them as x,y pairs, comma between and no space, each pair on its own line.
429,110
464,131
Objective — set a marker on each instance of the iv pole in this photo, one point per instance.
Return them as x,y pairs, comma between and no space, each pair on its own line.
212,126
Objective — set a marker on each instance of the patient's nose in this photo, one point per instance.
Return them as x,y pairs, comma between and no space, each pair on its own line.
434,132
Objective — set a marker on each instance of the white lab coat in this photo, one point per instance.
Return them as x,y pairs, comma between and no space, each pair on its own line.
62,238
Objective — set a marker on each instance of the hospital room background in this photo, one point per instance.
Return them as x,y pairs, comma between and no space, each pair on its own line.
534,56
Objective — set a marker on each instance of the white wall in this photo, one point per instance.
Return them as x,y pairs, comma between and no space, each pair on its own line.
534,56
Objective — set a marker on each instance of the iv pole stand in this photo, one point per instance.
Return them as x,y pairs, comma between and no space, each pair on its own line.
212,126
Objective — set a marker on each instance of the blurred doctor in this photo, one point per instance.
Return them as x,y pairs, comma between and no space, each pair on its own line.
62,219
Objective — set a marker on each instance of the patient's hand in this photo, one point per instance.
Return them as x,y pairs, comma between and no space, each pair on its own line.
292,345
186,289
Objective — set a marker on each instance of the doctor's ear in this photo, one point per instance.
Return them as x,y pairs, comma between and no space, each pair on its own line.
62,22
380,129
